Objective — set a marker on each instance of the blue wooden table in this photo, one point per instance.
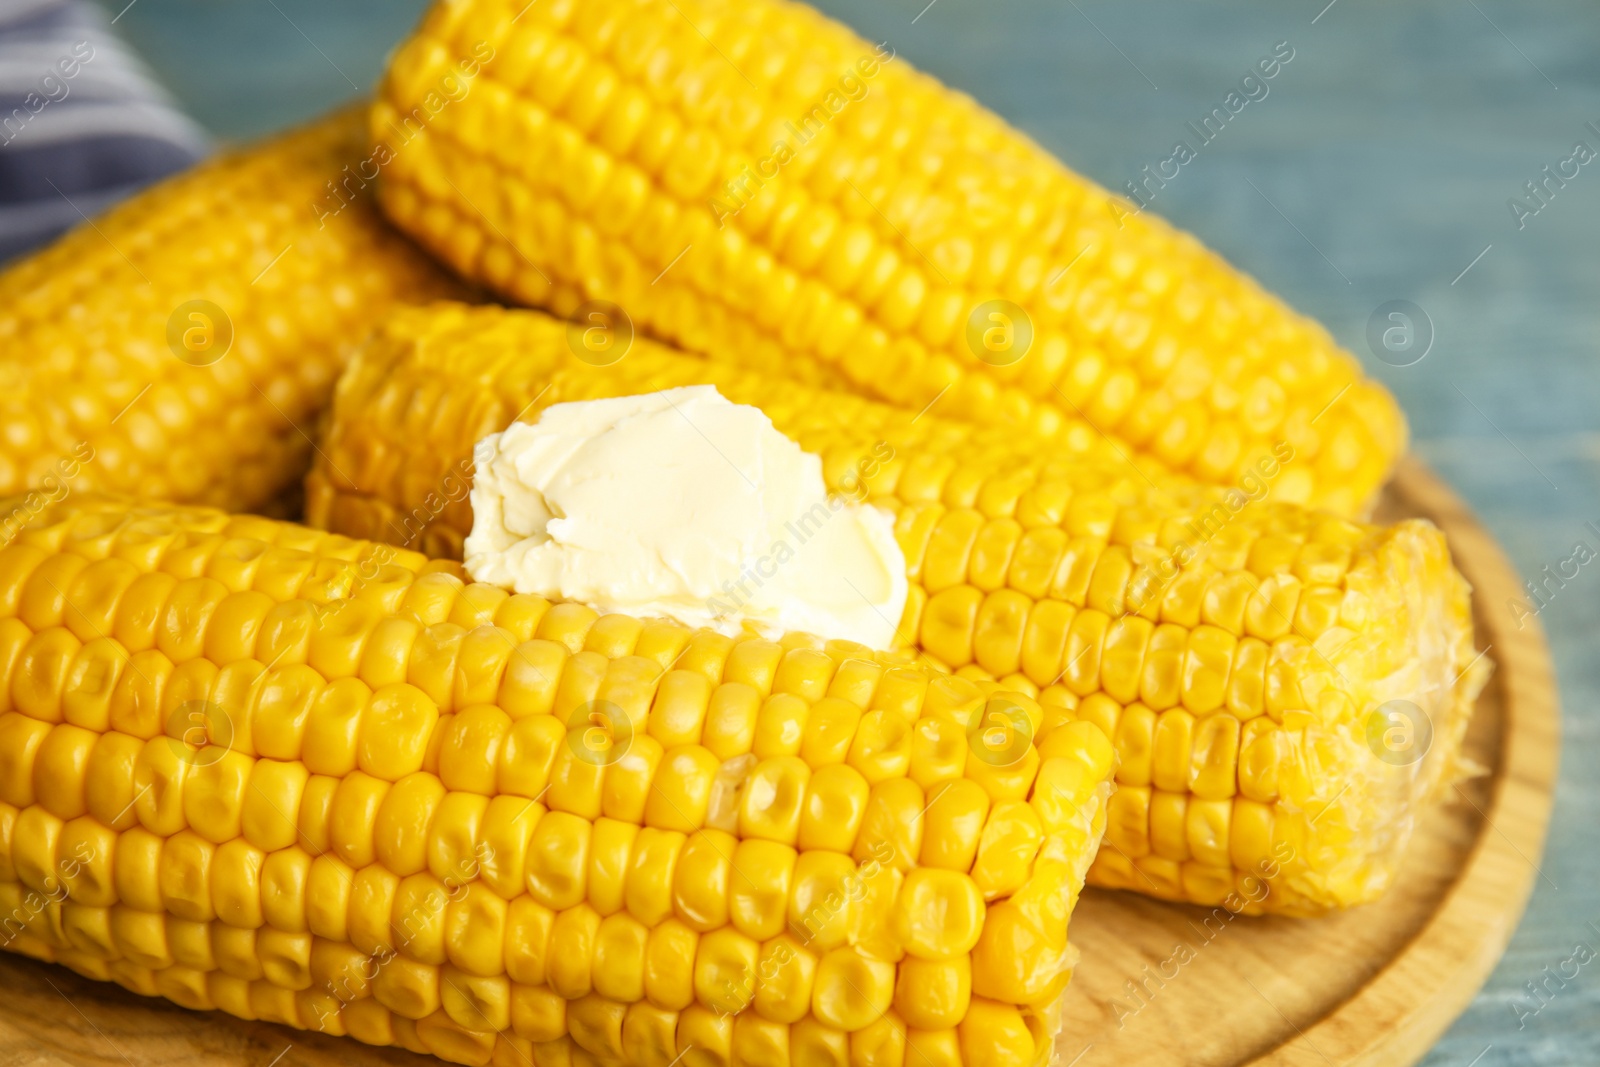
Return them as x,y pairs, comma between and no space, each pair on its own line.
1377,167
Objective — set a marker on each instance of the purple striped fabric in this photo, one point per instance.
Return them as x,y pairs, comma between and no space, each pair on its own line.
82,122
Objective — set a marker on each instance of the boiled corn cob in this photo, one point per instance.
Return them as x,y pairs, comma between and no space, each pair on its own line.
249,766
1239,677
179,346
753,182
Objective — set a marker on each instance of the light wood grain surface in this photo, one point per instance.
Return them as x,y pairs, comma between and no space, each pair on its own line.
1372,987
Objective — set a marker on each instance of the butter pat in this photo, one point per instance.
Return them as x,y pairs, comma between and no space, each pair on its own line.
682,505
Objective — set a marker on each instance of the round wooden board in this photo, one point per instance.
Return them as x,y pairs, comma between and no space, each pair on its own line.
1374,987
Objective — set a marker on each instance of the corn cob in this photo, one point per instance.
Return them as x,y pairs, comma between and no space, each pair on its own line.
1238,677
751,181
177,346
249,766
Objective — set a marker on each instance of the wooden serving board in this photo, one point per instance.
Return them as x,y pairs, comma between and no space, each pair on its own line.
1374,987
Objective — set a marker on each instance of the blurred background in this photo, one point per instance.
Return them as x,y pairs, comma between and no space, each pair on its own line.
1378,168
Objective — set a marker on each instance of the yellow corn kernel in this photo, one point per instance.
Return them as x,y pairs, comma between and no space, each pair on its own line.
569,965
681,793
628,780
285,958
214,794
725,970
476,1003
993,1034
651,874
285,879
813,1041
371,896
538,1013
400,831
610,850
59,770
823,899
882,747
939,914
417,917
159,777
773,800
933,994
469,748
137,867
763,873
140,937
596,1026
331,888
937,1048
785,973
192,944
234,949
669,965
835,806
939,749
185,877
85,852
681,705
956,814
352,816
892,826
407,988
619,958
1010,840
236,883
730,720
271,803
705,1039
759,1042
528,926
558,858
394,730
1214,758
108,779
332,727
701,879
528,754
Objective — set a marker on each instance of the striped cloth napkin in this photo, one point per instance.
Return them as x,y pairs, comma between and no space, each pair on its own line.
82,121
